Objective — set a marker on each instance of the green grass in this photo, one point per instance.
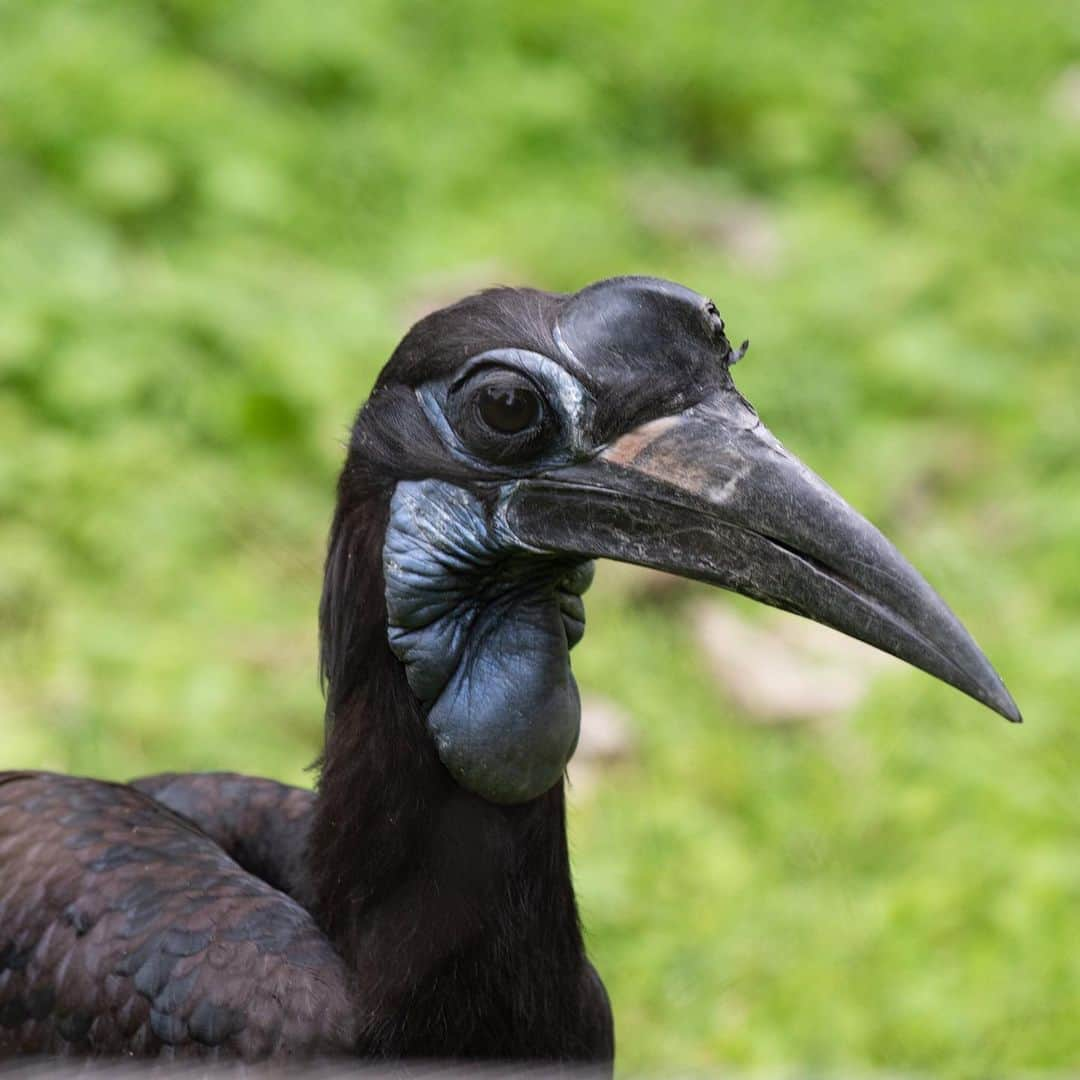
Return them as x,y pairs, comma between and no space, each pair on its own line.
215,222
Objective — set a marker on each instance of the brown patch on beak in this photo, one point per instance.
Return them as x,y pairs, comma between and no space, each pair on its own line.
663,449
626,449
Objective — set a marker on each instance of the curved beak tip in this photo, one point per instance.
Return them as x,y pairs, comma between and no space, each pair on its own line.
987,687
1007,707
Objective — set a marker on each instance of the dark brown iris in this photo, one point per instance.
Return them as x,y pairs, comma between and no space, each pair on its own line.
508,409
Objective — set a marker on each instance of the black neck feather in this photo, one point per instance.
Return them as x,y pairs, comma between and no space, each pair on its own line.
457,916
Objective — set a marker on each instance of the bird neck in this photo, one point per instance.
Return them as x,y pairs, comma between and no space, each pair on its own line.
456,915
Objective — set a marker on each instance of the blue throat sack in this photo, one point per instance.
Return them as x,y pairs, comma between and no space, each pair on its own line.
485,637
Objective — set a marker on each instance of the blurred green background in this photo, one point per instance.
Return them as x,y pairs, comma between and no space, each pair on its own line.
217,219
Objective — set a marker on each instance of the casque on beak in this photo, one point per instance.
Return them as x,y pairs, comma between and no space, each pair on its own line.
711,494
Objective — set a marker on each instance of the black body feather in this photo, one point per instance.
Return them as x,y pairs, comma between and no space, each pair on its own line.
391,914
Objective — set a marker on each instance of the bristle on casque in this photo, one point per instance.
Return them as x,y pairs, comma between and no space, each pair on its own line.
737,354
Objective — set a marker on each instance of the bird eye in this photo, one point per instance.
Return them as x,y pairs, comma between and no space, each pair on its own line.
508,410
501,415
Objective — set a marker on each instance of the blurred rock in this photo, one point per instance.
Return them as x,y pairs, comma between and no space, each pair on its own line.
829,646
785,669
606,741
882,150
1065,95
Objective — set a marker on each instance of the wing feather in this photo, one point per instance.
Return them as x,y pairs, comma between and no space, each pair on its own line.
124,929
262,824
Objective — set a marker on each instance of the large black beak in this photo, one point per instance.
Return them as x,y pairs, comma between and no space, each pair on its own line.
711,494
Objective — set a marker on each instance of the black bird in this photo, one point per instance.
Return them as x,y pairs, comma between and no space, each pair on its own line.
420,904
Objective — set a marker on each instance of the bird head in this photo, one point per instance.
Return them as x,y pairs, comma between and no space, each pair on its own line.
526,434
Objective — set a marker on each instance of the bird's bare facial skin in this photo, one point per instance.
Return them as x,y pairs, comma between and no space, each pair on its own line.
483,624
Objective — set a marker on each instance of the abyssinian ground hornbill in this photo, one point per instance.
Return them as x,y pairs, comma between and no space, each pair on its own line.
420,903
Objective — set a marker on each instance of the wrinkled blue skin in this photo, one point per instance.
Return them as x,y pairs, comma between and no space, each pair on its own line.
484,628
483,624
